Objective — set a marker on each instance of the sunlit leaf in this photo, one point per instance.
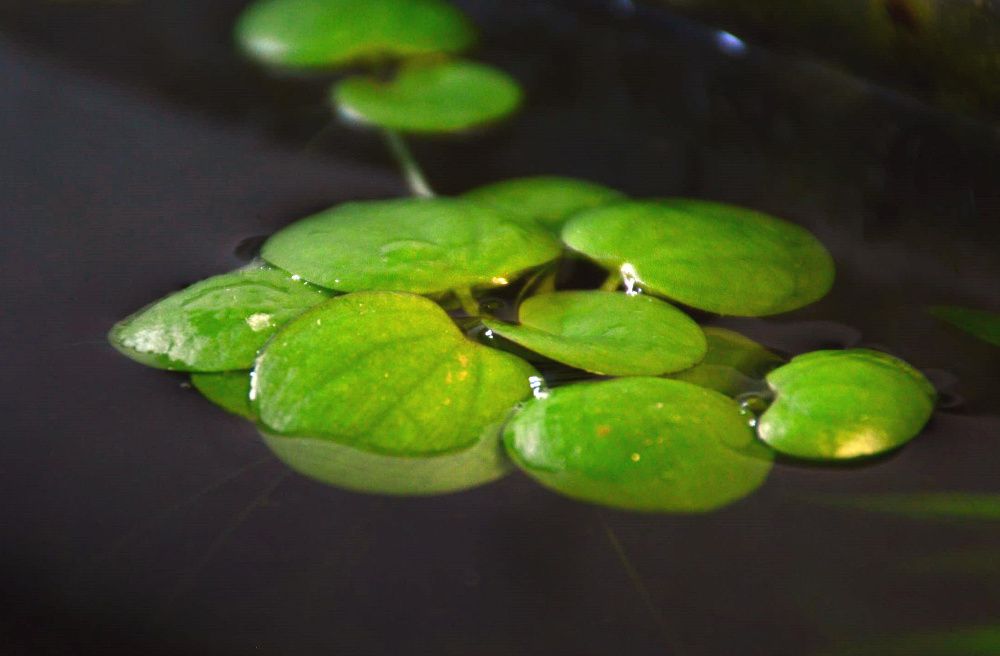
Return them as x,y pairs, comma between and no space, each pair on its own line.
648,444
439,96
385,372
377,473
607,332
230,390
710,256
410,245
331,33
217,324
979,323
550,200
836,405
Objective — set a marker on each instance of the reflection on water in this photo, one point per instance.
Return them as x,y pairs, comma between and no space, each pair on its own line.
949,506
365,471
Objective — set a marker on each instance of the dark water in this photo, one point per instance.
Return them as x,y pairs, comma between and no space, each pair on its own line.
138,152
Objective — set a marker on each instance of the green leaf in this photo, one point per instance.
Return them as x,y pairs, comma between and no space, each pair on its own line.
217,324
979,323
439,96
550,200
385,372
734,364
230,390
415,245
714,257
837,405
648,444
927,505
607,332
376,473
334,33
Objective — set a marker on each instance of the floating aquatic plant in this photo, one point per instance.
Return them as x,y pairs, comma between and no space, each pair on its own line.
607,332
839,405
434,96
733,364
639,443
373,353
546,199
388,372
217,324
410,245
334,33
711,256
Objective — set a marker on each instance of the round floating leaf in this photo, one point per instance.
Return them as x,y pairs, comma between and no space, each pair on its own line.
385,372
329,33
217,324
734,364
230,390
415,245
550,200
646,444
364,471
836,405
607,332
979,323
710,256
442,96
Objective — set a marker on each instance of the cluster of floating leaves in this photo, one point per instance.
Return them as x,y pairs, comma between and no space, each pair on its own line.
339,345
364,348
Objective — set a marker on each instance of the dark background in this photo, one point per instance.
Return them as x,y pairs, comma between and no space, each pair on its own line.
137,150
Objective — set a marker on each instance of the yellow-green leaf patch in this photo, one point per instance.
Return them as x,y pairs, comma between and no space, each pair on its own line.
415,245
838,405
230,390
711,256
547,199
438,96
648,444
733,364
385,372
217,324
607,333
334,33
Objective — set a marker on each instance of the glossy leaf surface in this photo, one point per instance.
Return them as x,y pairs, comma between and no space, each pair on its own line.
333,33
714,257
607,332
411,245
733,364
217,324
360,470
549,200
441,96
385,372
647,444
980,323
230,390
835,405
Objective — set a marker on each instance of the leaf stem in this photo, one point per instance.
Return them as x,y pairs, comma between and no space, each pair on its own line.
612,282
469,303
415,179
